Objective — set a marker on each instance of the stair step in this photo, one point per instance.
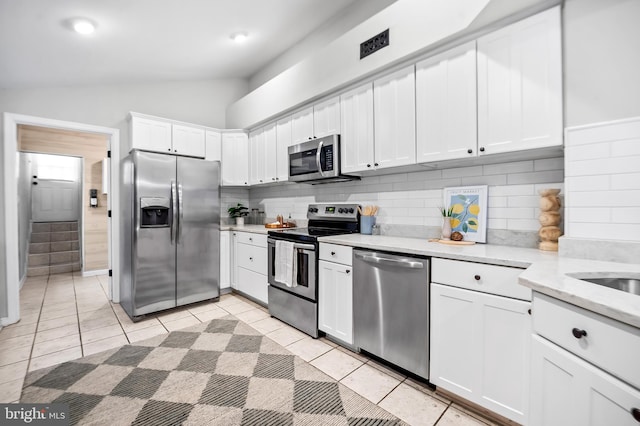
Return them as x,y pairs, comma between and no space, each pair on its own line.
50,259
53,269
58,246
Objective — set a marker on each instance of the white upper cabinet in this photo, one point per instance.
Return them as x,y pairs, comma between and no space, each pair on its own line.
326,118
395,119
165,136
356,137
256,157
319,120
302,125
150,135
212,145
270,154
520,85
283,141
235,159
446,105
188,140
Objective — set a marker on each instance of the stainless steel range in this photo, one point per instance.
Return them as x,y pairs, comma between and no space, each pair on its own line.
296,302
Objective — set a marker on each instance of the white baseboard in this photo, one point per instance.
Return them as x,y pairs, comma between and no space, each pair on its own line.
94,273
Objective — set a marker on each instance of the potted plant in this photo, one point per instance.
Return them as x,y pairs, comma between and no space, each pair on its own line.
447,214
238,213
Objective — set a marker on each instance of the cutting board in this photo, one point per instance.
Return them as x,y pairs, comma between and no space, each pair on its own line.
453,243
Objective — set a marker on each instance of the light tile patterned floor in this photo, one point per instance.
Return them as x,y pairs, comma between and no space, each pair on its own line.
67,316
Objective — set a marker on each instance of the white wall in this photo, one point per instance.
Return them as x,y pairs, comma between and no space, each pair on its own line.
601,60
24,208
336,26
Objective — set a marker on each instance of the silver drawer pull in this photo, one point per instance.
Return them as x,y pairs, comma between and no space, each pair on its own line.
389,261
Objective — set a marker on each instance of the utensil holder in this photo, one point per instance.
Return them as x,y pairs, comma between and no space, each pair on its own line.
366,224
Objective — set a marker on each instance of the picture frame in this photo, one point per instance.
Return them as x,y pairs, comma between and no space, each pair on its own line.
469,211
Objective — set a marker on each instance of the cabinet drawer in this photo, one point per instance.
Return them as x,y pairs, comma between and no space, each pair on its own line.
253,239
252,257
253,284
499,280
609,344
336,253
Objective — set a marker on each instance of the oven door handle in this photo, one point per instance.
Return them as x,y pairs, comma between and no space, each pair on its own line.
304,247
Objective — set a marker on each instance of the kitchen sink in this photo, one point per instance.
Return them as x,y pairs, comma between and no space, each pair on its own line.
626,283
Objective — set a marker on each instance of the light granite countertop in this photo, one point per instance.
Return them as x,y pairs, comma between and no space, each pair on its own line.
254,229
545,271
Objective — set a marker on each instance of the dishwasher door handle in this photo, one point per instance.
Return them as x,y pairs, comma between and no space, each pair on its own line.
402,263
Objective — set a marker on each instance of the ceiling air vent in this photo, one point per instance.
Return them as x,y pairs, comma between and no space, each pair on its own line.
374,44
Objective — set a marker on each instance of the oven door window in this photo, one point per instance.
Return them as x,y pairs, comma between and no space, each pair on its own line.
302,259
303,163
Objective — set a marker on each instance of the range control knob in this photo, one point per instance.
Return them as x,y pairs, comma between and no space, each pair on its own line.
351,210
340,210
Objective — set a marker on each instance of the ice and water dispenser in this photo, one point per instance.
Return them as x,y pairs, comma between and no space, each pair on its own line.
154,212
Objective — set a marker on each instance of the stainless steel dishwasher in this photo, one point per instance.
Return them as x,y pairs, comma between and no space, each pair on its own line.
391,308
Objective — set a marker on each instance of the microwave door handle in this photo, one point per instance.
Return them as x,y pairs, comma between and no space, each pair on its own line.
318,153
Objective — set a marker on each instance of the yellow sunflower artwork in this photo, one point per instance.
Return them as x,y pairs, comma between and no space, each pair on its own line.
465,210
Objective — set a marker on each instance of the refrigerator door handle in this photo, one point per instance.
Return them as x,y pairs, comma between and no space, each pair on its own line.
180,215
174,206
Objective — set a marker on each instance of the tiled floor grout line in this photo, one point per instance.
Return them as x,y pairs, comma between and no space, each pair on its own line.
35,332
75,297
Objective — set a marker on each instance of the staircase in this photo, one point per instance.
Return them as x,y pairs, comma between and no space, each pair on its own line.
54,248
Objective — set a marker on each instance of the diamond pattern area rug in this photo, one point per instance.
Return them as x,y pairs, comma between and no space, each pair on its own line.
218,373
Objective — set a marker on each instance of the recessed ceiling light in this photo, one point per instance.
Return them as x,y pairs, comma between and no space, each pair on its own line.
239,37
83,26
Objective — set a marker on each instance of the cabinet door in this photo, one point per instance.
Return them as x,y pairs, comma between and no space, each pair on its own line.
480,349
150,135
188,140
566,390
270,153
326,118
235,159
520,85
213,145
356,137
283,141
446,105
225,259
335,300
302,125
256,157
395,119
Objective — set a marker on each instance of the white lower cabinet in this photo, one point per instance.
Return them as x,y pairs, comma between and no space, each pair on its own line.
225,259
480,345
584,367
566,390
250,265
335,294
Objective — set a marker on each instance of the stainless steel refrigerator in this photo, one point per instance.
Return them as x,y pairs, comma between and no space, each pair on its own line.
170,254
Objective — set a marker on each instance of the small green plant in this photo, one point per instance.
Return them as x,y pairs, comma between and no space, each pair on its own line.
238,211
446,212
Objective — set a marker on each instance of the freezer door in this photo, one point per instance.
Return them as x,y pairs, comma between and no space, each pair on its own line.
198,230
154,259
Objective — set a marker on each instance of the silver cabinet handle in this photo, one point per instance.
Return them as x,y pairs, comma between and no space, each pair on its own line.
304,247
318,153
403,263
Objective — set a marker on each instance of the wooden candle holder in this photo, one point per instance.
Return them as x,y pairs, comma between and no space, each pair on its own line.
549,219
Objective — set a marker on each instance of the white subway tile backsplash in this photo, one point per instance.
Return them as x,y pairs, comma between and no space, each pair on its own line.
603,166
516,167
495,223
524,201
588,152
523,224
606,231
497,201
624,148
629,198
590,214
512,190
535,177
548,164
462,172
626,215
604,132
484,180
625,181
511,213
589,183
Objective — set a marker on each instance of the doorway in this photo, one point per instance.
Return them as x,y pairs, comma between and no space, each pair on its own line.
10,285
49,213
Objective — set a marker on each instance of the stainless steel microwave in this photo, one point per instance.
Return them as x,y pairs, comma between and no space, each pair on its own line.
317,161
